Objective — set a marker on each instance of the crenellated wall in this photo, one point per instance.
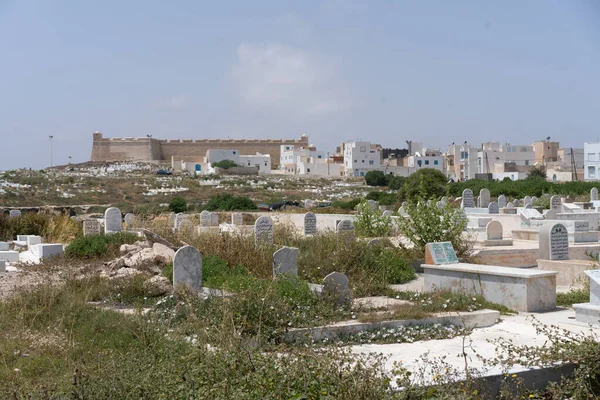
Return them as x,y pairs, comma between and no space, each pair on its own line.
150,149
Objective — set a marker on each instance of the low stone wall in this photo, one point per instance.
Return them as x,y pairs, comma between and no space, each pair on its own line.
570,272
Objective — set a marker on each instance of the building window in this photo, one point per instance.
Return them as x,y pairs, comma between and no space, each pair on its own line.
319,156
248,163
363,149
591,156
355,161
362,173
371,162
307,170
436,162
419,163
363,161
526,162
426,162
234,152
591,172
265,163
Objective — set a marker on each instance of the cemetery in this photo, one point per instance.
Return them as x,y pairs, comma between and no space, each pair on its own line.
413,283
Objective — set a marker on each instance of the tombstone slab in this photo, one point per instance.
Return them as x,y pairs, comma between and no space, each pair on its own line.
310,224
113,220
501,201
336,288
91,227
285,261
205,218
493,230
345,227
555,203
467,199
186,226
214,219
187,268
554,242
263,230
14,213
237,219
439,253
129,220
484,198
374,242
593,194
493,208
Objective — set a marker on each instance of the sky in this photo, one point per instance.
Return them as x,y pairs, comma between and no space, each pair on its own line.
338,70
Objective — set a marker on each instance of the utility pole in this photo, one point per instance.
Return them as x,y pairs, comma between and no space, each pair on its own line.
51,137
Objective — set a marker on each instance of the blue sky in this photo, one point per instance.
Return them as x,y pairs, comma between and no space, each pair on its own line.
383,71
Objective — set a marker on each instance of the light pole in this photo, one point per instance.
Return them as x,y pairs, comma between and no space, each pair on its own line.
51,137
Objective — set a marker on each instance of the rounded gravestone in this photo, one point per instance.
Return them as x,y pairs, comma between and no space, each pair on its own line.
171,220
187,268
205,218
484,198
555,202
493,208
237,219
129,219
112,220
594,194
186,227
502,201
285,261
336,288
387,213
263,230
467,200
493,230
14,213
554,242
310,223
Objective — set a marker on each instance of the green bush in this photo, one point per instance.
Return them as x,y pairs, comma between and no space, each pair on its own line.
375,178
178,205
395,182
225,164
167,271
371,222
99,246
228,202
383,198
427,183
349,205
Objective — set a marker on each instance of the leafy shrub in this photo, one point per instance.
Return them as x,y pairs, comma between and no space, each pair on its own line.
346,205
167,271
375,178
395,182
58,228
177,205
228,202
383,198
224,164
97,246
427,183
371,222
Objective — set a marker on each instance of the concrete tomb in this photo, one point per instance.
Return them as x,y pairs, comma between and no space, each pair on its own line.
3,246
555,202
285,261
336,288
440,253
502,201
91,227
263,230
518,289
214,219
554,242
493,208
205,218
2,266
14,213
112,220
187,268
46,250
593,194
129,220
484,198
237,219
310,224
590,312
33,240
9,256
467,199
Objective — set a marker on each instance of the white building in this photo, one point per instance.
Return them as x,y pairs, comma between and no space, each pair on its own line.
461,162
426,158
360,158
591,161
260,161
493,157
217,155
307,161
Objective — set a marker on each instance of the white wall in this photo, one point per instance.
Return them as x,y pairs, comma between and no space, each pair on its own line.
359,158
216,155
591,161
262,161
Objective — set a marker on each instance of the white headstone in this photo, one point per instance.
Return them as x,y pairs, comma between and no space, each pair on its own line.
345,226
387,213
467,199
502,201
517,202
493,208
493,230
594,194
186,226
594,286
172,219
187,268
555,202
129,219
336,288
526,201
510,205
3,246
91,227
205,218
14,213
285,261
554,242
112,220
263,230
484,198
402,212
237,219
310,223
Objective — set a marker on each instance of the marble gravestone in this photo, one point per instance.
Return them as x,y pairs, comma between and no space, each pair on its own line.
467,199
502,201
205,218
336,288
555,203
493,208
14,213
387,213
180,217
510,205
484,198
263,230
129,220
214,219
438,253
310,224
589,313
528,206
187,268
554,242
185,226
345,227
237,219
517,203
285,261
493,230
171,220
593,194
91,227
527,201
112,220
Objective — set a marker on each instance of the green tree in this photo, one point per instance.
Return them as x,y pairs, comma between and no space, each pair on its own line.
375,178
538,171
224,164
427,183
177,204
427,223
370,222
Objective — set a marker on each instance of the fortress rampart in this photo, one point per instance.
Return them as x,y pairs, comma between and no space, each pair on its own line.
150,149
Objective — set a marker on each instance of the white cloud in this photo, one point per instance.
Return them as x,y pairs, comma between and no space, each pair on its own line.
288,80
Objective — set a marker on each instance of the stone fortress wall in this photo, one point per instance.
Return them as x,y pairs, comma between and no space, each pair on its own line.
150,149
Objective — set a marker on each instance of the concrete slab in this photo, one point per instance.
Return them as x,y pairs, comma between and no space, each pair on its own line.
378,302
518,328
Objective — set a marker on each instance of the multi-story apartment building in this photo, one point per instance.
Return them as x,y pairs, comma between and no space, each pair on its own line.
591,161
546,151
360,158
461,162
